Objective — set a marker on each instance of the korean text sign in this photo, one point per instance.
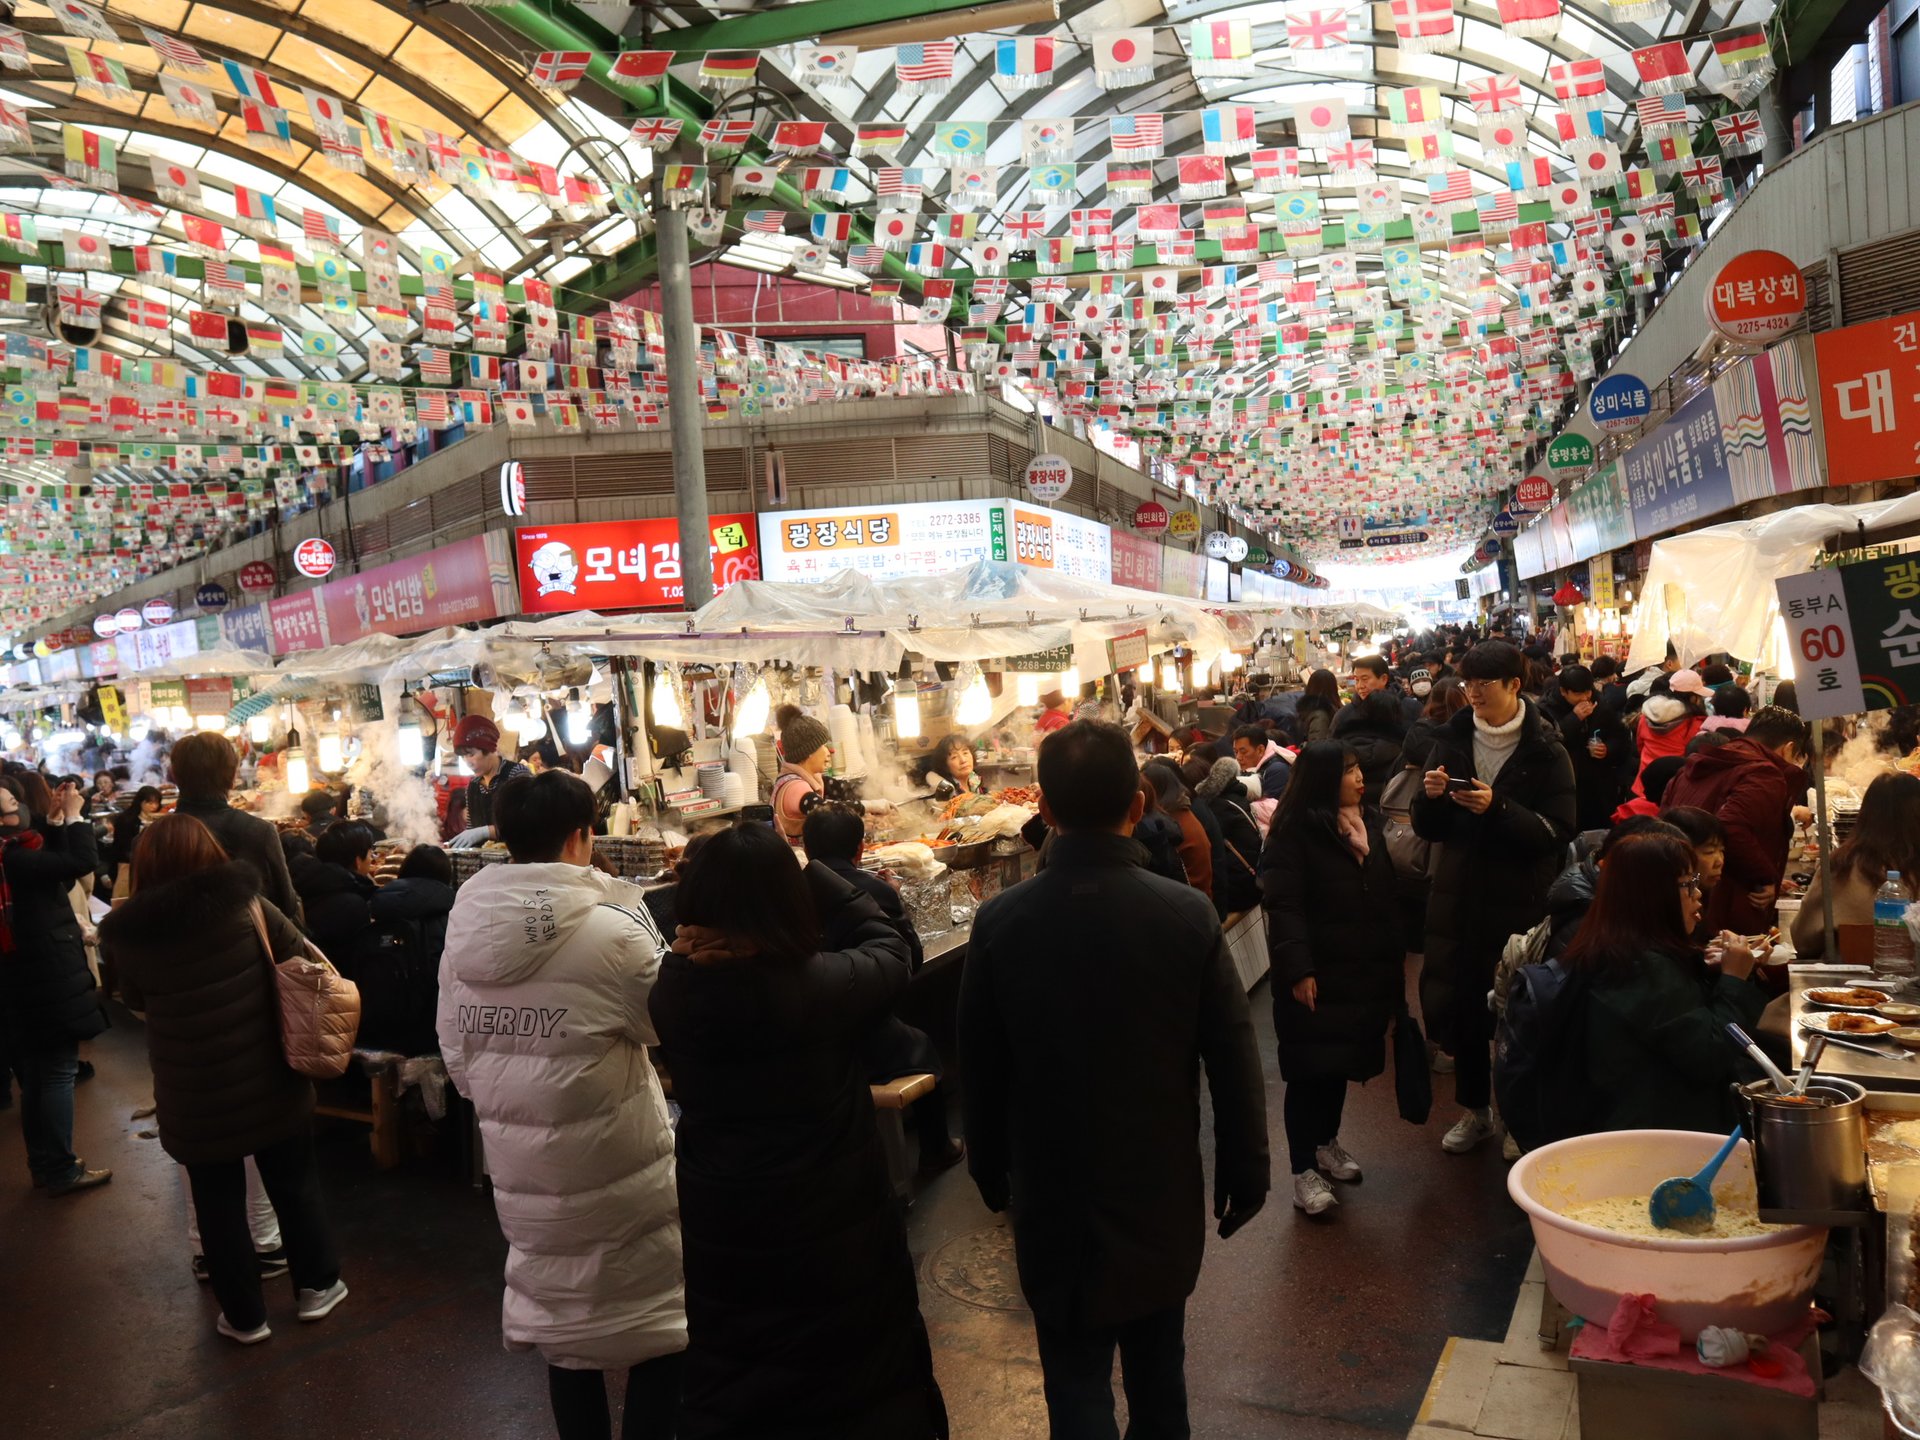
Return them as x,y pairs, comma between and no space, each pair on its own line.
1870,399
447,586
624,564
1679,472
882,541
1855,635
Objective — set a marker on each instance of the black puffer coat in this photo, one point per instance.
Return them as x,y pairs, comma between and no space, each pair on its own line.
1331,915
1490,872
803,1316
188,955
50,992
338,905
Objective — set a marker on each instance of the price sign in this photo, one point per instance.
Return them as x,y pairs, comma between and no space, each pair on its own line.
1048,478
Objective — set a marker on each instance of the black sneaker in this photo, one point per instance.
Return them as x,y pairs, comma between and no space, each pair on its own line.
272,1263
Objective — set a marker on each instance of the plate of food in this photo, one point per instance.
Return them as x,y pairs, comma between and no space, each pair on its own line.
1842,1022
1847,997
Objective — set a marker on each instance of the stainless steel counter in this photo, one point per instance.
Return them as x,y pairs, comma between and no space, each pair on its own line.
1883,1071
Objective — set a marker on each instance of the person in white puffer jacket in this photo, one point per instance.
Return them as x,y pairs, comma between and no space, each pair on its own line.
543,1026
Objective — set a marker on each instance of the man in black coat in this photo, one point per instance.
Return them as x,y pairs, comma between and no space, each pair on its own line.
204,765
51,1002
1092,994
1604,757
834,836
1499,800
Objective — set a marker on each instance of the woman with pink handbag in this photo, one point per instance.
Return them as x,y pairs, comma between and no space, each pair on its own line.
200,953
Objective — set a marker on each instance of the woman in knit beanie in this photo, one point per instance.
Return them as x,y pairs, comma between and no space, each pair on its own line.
804,753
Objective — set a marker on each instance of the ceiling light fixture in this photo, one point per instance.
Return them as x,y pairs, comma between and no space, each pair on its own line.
1003,15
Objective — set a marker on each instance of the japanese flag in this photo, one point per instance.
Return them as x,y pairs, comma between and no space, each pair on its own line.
1569,199
893,229
1629,243
1159,284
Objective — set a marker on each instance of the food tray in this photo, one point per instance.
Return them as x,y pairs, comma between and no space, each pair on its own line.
632,856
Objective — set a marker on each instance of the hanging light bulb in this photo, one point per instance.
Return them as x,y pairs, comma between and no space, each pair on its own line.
1070,682
906,715
260,728
298,780
976,702
1229,662
755,709
579,719
212,724
409,741
666,705
1026,688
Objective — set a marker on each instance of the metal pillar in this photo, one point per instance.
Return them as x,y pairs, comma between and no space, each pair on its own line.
686,408
1777,124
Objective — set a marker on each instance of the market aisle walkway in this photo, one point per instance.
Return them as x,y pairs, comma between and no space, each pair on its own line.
1300,1330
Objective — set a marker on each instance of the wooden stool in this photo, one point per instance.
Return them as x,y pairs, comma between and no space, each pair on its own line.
890,1102
383,1115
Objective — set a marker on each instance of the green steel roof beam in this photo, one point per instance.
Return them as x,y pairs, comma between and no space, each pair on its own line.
783,24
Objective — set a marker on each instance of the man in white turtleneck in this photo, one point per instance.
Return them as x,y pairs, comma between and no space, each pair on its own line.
1500,799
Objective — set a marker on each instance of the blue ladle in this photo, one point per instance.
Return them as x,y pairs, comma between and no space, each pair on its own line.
1686,1202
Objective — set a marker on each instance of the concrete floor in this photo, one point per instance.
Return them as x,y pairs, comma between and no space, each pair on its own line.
1313,1330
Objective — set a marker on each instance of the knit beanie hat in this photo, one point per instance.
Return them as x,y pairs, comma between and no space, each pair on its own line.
800,736
476,732
1225,771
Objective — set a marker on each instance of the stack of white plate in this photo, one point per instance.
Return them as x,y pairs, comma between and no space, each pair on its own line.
712,779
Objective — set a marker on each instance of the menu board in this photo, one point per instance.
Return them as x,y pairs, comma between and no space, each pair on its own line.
1183,574
448,586
883,541
927,538
625,564
1055,540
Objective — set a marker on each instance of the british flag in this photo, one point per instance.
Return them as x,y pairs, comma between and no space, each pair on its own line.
1316,29
1356,157
656,133
1740,133
1024,225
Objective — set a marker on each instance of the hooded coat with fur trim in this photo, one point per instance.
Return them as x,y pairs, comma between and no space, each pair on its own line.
1665,726
188,955
544,1027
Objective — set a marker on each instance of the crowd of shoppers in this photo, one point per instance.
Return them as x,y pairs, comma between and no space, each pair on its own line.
677,1118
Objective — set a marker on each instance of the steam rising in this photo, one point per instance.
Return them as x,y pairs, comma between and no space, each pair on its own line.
405,798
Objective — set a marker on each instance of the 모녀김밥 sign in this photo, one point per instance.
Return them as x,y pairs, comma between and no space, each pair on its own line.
624,564
1855,635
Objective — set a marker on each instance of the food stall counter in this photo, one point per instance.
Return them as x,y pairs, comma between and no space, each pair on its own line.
1887,1067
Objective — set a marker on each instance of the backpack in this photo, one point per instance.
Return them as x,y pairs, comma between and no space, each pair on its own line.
399,989
1528,948
1412,856
1540,1056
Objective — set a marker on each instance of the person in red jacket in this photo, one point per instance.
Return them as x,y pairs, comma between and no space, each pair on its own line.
1667,722
1750,785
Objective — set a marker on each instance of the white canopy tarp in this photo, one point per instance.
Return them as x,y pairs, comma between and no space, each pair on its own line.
221,659
1712,589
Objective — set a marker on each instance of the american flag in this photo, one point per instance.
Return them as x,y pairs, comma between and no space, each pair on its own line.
866,257
892,182
921,63
173,50
1655,110
1138,134
1450,187
764,222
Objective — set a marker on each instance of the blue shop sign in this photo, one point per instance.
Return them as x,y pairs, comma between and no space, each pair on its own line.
1620,402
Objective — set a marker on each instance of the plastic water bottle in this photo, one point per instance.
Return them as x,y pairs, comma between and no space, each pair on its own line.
1892,943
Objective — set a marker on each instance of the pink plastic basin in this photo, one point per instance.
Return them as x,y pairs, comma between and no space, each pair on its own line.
1760,1283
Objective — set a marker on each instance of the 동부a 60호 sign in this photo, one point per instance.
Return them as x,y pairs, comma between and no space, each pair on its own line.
1854,634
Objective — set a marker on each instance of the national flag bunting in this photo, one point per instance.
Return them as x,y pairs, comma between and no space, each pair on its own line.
1221,47
924,67
560,70
1423,25
639,66
725,71
1663,68
1122,58
1023,63
1529,19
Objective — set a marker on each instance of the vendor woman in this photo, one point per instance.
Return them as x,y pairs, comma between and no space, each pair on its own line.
804,753
952,760
476,740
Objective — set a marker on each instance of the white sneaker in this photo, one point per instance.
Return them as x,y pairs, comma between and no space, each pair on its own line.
1509,1147
244,1337
318,1304
1312,1194
1336,1161
1469,1130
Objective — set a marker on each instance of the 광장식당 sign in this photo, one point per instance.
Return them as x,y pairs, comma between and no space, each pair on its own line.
1855,635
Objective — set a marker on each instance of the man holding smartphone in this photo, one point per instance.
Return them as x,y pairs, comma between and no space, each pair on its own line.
1500,801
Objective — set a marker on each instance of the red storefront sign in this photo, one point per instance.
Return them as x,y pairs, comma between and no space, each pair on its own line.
624,564
1150,517
1870,399
257,575
1136,562
314,558
448,586
1757,296
296,622
1535,493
